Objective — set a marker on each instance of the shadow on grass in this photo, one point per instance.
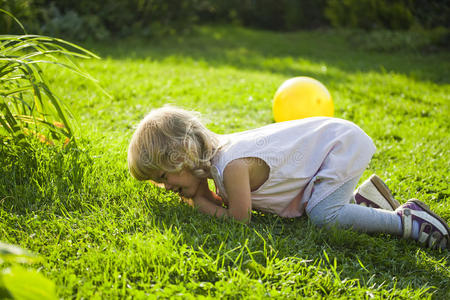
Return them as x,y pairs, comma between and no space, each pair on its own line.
377,261
318,53
34,177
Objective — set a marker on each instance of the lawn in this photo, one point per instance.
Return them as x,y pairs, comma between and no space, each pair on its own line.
104,235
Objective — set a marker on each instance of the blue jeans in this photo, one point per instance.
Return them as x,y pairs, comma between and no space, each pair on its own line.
337,210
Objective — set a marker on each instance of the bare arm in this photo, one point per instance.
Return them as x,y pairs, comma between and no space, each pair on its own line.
210,195
209,208
236,181
237,184
207,202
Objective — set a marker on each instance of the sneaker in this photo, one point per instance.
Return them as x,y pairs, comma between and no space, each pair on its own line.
433,230
375,193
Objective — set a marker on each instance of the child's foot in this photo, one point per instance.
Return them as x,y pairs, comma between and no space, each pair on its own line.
374,193
423,225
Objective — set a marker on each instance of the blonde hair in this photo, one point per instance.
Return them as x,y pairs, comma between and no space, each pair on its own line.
170,139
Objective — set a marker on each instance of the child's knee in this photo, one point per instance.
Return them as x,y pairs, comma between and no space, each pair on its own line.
320,217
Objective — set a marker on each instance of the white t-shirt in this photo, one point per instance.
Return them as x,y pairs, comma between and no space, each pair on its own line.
316,154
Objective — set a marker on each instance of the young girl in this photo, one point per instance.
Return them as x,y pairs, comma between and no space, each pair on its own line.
310,165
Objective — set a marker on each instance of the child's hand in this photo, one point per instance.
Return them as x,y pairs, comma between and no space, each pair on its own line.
222,201
210,203
188,201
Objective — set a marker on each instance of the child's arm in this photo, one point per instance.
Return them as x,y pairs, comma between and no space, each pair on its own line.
213,197
208,207
236,181
207,203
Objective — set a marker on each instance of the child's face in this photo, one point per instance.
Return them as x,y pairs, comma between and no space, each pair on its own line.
183,182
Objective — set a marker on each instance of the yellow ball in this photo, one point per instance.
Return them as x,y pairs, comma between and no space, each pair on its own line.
301,97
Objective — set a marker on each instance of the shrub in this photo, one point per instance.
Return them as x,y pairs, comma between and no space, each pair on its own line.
370,14
101,19
306,14
71,25
267,14
86,19
388,40
432,13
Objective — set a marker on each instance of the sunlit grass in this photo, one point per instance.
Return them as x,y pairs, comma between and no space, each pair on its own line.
104,235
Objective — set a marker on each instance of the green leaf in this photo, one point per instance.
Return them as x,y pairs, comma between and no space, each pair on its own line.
28,284
14,18
14,254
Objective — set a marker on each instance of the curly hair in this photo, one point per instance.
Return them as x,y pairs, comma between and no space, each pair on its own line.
170,139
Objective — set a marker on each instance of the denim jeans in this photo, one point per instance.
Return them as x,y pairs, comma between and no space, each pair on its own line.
336,210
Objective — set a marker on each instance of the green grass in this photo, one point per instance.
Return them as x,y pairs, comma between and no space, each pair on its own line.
104,235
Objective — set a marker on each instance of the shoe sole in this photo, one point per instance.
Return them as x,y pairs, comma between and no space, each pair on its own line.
426,208
384,190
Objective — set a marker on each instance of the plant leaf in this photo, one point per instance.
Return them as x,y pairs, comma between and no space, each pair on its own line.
14,18
28,284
